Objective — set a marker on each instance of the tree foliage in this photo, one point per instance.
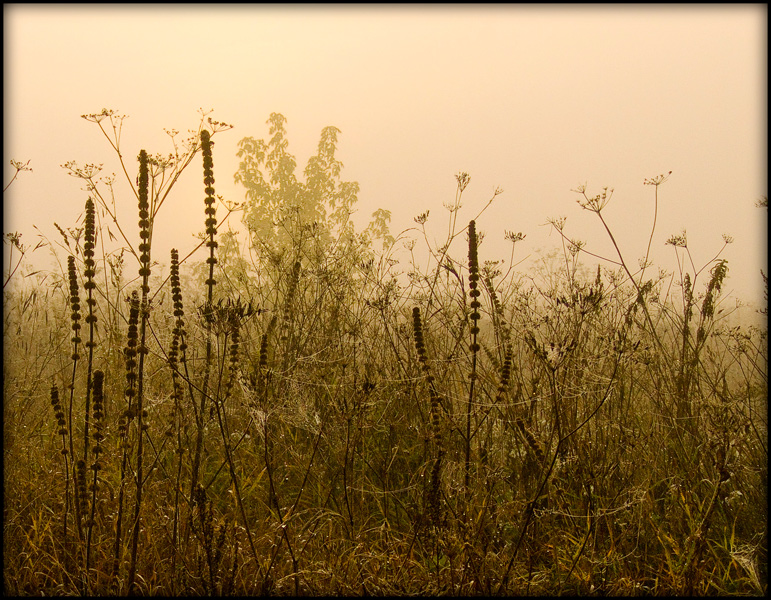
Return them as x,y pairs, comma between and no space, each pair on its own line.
281,212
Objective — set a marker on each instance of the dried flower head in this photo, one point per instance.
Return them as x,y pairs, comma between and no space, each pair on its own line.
463,180
144,220
679,240
74,304
658,180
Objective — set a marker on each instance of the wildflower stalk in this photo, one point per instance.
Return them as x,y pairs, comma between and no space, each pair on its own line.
233,313
474,293
80,491
211,243
596,205
179,369
76,339
127,416
177,349
500,327
145,233
656,182
420,348
98,395
89,285
61,425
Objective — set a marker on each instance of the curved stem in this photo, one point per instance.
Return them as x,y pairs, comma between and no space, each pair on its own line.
653,228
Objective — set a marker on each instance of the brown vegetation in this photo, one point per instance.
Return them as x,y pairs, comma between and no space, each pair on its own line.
302,420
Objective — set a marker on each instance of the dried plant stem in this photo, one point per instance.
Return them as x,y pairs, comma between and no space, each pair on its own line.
145,232
75,316
61,425
474,293
176,353
236,313
97,465
123,428
420,347
211,243
89,285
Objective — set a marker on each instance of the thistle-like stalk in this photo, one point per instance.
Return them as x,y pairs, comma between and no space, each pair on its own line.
262,371
499,321
233,313
505,377
532,442
145,233
130,354
80,482
176,351
89,285
208,308
474,293
62,430
420,348
75,317
98,436
718,274
210,210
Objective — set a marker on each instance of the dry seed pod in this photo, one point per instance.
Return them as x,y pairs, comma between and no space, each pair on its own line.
532,442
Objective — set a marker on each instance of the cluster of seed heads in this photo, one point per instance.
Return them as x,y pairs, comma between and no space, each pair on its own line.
436,400
262,369
232,314
210,210
178,345
176,295
718,273
532,442
88,251
473,268
420,347
61,423
74,304
233,360
213,543
226,316
263,365
144,221
89,285
130,354
88,255
500,321
688,295
505,376
98,435
81,494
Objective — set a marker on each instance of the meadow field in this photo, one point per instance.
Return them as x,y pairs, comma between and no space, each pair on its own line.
308,415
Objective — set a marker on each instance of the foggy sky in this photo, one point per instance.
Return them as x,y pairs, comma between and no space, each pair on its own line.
534,100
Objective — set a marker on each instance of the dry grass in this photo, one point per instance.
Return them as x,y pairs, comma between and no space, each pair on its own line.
308,423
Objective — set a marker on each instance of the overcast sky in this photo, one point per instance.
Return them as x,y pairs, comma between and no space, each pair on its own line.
534,100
